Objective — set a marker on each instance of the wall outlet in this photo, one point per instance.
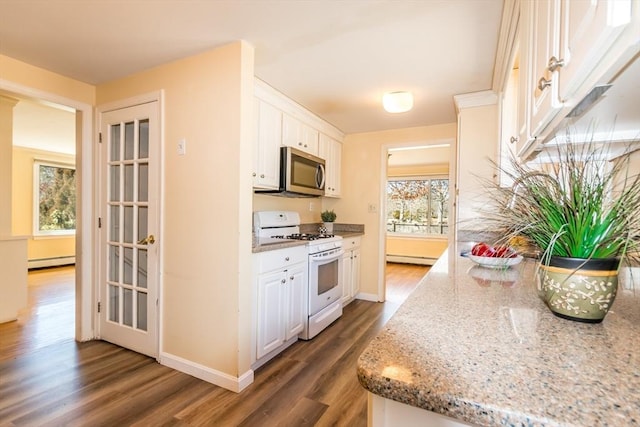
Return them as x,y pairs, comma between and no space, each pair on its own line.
372,208
312,206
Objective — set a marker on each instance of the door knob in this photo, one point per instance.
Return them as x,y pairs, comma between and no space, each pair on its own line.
149,240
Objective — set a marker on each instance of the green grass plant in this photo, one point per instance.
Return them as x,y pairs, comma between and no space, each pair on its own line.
581,205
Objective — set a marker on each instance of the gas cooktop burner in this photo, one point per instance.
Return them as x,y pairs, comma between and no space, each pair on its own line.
305,236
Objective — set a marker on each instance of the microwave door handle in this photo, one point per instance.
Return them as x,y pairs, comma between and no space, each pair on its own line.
320,176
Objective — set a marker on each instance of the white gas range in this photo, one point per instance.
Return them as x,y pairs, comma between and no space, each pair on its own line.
325,265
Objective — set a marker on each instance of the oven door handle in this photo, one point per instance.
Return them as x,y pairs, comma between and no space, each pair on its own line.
325,260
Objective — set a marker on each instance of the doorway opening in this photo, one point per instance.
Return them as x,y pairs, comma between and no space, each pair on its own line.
417,206
43,188
83,159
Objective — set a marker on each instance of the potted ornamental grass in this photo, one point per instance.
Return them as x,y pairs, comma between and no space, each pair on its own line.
582,211
328,217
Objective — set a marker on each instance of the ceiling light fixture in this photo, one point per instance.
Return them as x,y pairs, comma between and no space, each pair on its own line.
397,102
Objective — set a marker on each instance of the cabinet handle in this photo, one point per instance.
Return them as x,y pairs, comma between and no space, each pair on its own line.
291,278
286,259
262,175
555,63
254,174
543,83
513,139
283,281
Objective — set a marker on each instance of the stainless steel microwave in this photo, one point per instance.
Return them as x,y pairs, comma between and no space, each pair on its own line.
301,174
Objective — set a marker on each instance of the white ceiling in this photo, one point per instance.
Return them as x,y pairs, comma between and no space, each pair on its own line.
336,58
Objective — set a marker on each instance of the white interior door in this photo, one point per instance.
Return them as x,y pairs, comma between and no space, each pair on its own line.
129,232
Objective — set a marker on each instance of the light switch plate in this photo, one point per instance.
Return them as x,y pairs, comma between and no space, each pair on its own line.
182,147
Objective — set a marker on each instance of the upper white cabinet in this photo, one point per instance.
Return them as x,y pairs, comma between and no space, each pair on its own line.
267,137
279,121
589,29
299,135
543,101
567,48
331,151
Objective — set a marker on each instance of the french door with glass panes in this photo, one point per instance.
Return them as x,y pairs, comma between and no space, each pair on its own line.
129,174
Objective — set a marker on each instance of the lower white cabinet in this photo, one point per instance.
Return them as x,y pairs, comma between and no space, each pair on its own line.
350,269
281,296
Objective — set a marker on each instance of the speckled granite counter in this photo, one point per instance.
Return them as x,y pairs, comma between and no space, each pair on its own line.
479,345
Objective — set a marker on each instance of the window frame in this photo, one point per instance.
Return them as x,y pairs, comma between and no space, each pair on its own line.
37,232
417,178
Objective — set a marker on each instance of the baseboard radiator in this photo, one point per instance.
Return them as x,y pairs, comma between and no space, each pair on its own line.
51,262
408,259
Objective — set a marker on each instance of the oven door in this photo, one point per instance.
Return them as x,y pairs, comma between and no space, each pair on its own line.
325,274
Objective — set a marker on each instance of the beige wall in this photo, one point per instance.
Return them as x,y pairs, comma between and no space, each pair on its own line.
436,169
206,237
362,172
477,144
416,247
22,205
308,208
7,104
40,79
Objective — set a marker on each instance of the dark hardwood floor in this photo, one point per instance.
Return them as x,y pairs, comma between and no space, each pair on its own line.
46,380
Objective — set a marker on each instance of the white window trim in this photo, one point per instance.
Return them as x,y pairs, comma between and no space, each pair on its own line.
425,177
37,233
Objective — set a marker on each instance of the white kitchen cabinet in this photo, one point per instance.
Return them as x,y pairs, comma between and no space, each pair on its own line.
280,121
350,269
267,139
589,29
567,48
543,44
331,151
299,135
281,298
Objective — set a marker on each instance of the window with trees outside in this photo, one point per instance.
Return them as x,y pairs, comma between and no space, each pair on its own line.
418,206
54,199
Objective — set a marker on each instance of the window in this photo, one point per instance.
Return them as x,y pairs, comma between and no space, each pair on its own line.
418,206
55,199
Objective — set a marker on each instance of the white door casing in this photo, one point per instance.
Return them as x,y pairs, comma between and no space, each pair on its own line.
129,229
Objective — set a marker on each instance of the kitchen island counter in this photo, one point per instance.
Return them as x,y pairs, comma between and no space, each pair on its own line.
479,346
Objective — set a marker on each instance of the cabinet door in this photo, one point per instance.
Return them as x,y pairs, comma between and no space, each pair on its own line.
296,300
331,151
271,306
267,138
299,135
346,277
544,44
355,272
589,29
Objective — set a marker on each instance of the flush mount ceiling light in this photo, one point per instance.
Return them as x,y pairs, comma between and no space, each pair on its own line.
397,102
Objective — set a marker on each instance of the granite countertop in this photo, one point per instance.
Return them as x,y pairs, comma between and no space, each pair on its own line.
479,345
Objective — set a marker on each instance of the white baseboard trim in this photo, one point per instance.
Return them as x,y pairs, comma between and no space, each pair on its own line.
235,384
51,262
411,259
367,297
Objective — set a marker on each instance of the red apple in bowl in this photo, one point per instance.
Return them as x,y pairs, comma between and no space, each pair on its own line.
482,249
